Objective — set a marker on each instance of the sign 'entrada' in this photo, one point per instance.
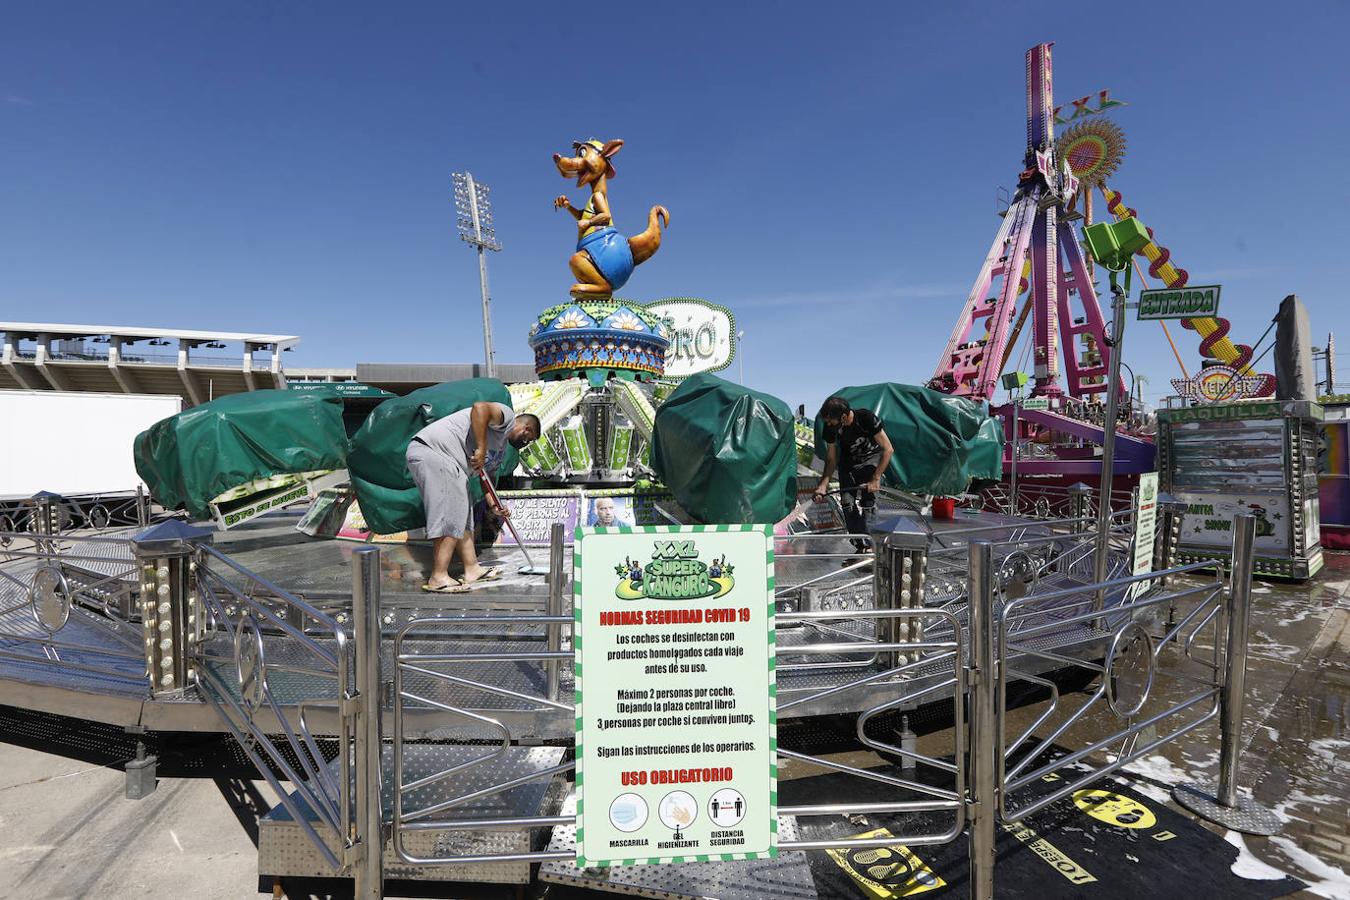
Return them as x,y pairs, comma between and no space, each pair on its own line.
1200,301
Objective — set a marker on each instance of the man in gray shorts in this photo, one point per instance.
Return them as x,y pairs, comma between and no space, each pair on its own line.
442,457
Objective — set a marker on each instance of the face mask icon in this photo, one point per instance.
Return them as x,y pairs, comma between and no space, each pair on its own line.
628,812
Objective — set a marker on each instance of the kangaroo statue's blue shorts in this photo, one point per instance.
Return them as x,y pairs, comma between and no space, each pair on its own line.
611,254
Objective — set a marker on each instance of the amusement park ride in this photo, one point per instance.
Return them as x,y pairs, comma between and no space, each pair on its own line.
1035,252
1036,229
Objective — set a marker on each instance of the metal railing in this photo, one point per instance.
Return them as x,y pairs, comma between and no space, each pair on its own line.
268,662
237,676
1007,775
65,599
1025,622
923,654
92,513
1047,501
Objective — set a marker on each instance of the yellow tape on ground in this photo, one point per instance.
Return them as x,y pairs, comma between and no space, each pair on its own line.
886,872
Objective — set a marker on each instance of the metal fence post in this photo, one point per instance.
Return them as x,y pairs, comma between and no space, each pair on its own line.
1222,804
142,507
368,873
983,747
173,618
899,567
1080,499
43,522
1012,480
556,583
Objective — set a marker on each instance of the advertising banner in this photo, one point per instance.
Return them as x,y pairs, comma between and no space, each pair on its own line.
1209,520
676,725
533,517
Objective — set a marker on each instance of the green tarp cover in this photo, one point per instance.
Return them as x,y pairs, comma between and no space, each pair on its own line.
190,459
385,489
941,442
727,453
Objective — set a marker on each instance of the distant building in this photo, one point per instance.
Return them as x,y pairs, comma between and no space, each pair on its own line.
319,376
196,365
132,360
403,378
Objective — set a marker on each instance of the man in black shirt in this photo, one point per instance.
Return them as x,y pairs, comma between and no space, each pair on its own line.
857,443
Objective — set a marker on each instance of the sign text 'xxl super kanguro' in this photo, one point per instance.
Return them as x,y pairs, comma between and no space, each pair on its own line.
675,694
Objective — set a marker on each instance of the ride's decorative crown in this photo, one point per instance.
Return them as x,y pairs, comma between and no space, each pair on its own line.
597,339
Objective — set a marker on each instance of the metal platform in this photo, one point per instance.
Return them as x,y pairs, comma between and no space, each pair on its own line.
284,849
95,670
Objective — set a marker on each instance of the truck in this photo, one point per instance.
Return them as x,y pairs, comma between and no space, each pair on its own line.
77,445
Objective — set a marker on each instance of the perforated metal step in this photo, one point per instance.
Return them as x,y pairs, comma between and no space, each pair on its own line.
285,850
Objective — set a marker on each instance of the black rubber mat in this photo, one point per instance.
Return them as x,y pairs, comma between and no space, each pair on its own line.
1107,841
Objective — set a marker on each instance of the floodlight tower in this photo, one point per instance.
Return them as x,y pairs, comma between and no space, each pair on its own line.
473,210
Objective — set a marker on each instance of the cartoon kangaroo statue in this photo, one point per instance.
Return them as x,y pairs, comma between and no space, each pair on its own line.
604,259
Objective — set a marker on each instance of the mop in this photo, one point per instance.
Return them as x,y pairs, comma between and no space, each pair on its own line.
529,568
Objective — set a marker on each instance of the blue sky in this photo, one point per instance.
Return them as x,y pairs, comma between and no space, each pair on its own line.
830,168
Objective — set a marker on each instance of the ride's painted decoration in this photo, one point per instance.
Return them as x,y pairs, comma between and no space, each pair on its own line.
1083,107
1213,331
597,340
1216,384
1093,150
703,335
1333,472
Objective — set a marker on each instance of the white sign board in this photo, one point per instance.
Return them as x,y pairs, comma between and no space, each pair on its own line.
675,694
1145,523
1145,529
702,335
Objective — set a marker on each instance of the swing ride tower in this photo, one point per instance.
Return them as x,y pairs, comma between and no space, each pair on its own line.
1035,251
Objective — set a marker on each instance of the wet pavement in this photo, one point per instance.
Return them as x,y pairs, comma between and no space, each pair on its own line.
1297,761
1296,735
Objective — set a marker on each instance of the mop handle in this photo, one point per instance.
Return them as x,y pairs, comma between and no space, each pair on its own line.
488,490
491,494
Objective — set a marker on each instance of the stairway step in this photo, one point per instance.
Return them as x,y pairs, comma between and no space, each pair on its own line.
285,850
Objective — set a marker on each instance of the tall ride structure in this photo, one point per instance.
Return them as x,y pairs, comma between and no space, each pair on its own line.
1035,227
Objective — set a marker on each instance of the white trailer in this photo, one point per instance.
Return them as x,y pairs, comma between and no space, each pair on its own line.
75,444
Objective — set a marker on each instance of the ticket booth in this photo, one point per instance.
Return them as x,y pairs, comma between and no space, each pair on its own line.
1258,457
